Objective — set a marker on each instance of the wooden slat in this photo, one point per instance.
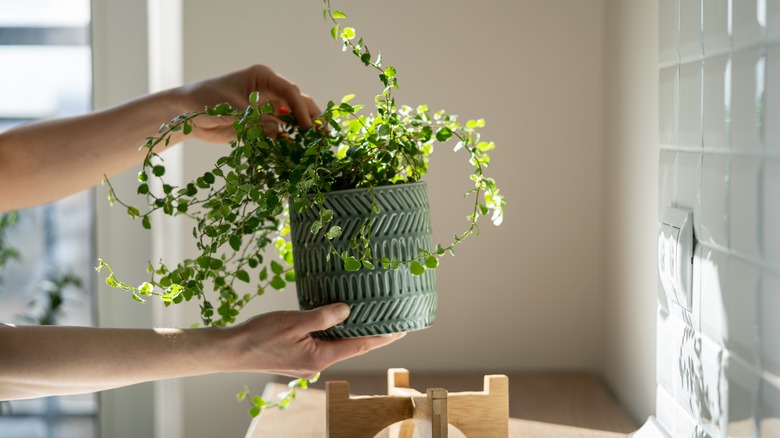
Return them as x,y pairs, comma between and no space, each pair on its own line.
565,404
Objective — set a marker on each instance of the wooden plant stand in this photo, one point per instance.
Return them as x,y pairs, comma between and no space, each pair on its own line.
478,414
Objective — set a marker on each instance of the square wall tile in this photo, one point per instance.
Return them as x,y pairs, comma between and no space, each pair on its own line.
686,183
770,220
715,129
773,19
666,171
769,410
770,323
715,35
745,28
690,29
689,118
742,310
714,199
668,31
712,390
665,364
712,269
665,408
745,180
746,100
699,262
668,80
742,384
772,97
684,345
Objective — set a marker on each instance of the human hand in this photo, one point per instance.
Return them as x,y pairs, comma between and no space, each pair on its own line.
279,342
235,88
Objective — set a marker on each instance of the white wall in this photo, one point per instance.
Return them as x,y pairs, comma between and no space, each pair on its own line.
631,203
120,73
527,295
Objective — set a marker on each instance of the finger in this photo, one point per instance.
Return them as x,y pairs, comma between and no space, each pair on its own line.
323,317
314,110
294,98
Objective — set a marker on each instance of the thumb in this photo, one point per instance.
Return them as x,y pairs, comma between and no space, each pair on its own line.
326,317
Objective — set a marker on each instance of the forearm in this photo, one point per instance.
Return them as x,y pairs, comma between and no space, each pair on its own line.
44,161
39,361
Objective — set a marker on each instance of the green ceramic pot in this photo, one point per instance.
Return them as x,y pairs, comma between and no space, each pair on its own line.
382,301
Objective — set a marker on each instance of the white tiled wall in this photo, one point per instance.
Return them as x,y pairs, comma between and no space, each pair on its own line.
718,368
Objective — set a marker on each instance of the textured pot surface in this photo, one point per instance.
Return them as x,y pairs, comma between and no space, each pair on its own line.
382,301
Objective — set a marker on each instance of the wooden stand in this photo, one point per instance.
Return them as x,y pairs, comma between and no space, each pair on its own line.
482,414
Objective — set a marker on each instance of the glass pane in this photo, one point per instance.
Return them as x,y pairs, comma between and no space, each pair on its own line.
28,88
46,73
48,13
23,427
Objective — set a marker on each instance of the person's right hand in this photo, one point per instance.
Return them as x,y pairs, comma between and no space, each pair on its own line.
279,342
235,88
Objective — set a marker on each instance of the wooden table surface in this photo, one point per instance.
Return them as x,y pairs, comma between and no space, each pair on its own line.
546,404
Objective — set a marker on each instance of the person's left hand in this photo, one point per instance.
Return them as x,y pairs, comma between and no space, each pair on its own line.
279,342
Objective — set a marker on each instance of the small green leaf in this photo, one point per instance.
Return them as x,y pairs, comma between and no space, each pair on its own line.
187,128
471,124
254,97
368,265
242,275
390,72
111,282
315,227
289,275
158,170
146,223
334,32
444,134
145,289
327,215
255,411
348,33
431,262
215,263
276,268
235,242
278,283
416,268
338,14
142,176
347,98
133,211
351,264
333,232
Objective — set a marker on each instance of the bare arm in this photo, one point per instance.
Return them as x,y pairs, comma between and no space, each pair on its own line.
44,161
39,361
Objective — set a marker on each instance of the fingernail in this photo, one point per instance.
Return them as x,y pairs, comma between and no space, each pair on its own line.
342,311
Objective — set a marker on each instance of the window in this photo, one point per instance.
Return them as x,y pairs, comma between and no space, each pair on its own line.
45,59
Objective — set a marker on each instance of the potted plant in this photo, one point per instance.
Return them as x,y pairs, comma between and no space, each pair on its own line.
344,202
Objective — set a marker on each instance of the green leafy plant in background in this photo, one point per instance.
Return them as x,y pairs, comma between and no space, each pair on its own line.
240,206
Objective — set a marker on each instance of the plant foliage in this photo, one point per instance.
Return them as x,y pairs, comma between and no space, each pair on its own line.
240,206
